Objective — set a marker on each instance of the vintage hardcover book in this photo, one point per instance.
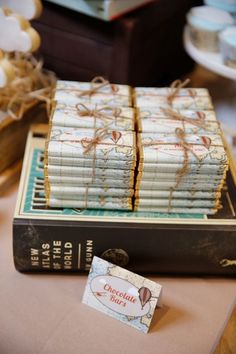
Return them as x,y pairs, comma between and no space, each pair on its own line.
57,239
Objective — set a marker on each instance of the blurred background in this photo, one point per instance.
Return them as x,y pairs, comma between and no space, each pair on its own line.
134,42
140,44
142,47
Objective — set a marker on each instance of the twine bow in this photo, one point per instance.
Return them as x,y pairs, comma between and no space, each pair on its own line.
174,115
101,113
175,87
96,84
99,135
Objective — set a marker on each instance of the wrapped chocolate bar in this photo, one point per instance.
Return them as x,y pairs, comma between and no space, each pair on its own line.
99,91
169,113
113,203
180,210
178,184
166,120
166,91
175,97
189,203
71,97
102,144
169,126
74,161
89,181
92,116
172,176
186,102
165,148
192,168
69,192
98,84
164,194
86,172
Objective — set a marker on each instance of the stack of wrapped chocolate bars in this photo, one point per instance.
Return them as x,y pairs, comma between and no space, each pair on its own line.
182,161
92,160
91,149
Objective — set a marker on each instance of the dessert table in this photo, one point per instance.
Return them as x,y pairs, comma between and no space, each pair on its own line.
43,313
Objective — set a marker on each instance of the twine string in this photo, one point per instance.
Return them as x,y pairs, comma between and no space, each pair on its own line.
174,115
187,148
99,135
105,113
175,87
96,85
181,135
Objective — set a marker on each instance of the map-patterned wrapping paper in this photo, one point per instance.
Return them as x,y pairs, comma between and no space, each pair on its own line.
185,99
68,142
81,162
165,148
178,162
189,103
72,192
92,116
83,172
216,169
169,126
73,92
89,181
99,202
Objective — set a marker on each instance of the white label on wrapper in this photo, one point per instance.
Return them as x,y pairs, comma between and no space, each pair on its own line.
119,295
124,295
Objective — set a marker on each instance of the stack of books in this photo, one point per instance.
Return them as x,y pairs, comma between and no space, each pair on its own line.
66,239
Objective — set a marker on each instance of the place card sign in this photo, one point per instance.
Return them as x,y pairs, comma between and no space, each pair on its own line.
124,295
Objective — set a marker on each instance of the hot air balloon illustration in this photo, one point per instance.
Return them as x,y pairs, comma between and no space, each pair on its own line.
206,141
115,136
144,295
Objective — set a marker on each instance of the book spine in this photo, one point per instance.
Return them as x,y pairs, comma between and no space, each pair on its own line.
61,246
